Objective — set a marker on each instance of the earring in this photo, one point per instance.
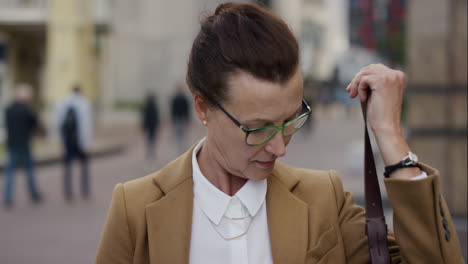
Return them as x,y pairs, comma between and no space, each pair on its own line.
204,122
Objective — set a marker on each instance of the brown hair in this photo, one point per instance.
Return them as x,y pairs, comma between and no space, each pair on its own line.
240,36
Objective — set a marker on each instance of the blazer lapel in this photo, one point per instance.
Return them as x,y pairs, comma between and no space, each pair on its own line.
169,223
287,219
169,219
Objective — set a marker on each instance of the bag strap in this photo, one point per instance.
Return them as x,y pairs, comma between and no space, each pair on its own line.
376,228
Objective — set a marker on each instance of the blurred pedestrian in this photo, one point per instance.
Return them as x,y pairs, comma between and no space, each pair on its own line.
75,128
21,124
150,124
180,114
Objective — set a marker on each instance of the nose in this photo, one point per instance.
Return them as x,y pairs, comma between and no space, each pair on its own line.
277,145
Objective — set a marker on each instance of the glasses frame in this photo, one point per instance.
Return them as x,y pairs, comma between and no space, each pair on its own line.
247,131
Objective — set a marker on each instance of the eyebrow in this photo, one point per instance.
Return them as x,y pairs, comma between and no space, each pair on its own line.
267,121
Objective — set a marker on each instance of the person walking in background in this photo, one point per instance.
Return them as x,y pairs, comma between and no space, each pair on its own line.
75,128
150,124
180,117
21,124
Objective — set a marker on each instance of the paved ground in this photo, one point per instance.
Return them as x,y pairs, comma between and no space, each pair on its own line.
57,232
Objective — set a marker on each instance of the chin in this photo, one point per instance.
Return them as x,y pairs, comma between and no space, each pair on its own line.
259,175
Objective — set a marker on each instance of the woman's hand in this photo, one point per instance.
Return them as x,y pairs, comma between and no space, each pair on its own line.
383,88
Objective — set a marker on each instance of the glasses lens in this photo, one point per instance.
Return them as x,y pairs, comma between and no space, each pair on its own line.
260,136
295,125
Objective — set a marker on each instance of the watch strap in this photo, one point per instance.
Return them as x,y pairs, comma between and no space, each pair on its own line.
390,169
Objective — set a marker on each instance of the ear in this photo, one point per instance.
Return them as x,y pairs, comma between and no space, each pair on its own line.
201,107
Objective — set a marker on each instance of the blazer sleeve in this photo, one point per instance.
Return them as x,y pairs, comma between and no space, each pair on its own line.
352,222
116,246
422,222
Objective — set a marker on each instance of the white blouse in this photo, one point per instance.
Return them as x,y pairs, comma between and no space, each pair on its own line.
228,229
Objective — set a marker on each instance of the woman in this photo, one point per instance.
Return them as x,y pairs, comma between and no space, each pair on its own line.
228,200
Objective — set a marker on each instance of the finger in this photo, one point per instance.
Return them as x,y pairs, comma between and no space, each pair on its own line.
353,86
364,87
348,89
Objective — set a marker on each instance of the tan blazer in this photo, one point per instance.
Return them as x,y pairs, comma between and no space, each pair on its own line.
311,219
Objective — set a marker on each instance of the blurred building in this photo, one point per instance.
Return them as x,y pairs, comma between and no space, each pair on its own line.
22,45
322,30
379,26
437,87
148,50
52,45
118,50
76,30
151,40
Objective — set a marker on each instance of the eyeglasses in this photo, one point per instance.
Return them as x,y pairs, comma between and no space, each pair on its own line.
261,135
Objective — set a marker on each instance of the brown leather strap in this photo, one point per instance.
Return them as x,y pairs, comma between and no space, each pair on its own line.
376,229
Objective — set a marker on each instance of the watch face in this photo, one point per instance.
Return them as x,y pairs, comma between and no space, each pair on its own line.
413,157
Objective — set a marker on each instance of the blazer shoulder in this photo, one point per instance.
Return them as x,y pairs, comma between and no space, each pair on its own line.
142,191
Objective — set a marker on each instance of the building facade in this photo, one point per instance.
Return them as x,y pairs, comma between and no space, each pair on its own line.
437,88
52,45
148,51
321,28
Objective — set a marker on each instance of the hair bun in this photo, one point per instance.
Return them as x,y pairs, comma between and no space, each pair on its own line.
222,8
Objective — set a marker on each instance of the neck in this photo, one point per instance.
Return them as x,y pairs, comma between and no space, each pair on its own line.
216,174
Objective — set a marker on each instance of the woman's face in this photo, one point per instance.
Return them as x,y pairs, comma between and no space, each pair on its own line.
254,103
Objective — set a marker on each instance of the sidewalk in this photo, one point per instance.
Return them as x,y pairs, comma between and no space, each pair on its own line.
109,139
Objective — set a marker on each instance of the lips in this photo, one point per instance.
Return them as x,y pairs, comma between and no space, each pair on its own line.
266,164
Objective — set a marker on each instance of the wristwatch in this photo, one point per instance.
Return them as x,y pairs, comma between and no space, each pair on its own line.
411,160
